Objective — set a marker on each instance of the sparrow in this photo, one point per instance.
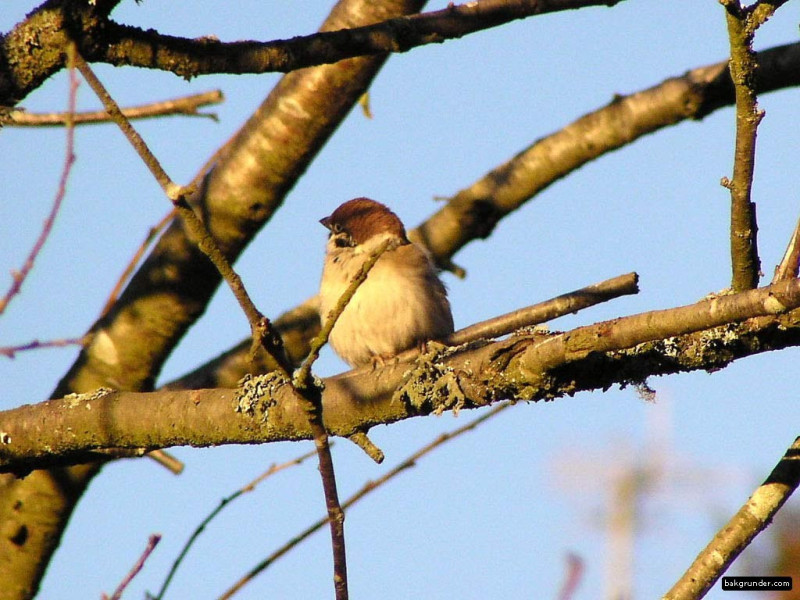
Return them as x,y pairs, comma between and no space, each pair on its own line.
401,304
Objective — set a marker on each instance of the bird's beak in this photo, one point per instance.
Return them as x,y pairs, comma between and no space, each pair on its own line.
326,222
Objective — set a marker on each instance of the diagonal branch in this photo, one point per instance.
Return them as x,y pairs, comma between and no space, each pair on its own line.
790,263
262,332
18,277
365,490
750,520
473,212
274,468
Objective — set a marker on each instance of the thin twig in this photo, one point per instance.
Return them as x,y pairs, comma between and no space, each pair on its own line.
572,578
746,524
303,373
11,351
126,274
742,24
367,488
18,277
152,542
186,105
261,329
790,263
223,503
311,395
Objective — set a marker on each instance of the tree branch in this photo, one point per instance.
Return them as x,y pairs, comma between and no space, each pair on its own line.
300,324
18,277
262,332
131,46
744,228
101,40
274,468
746,524
186,105
790,263
365,490
707,335
474,211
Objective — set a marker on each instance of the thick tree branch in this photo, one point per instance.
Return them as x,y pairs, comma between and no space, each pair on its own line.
535,366
474,211
34,48
132,46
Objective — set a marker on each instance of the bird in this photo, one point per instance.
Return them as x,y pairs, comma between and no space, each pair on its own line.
401,304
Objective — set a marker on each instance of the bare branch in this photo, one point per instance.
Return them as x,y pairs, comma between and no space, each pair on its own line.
18,277
474,211
302,377
152,542
310,392
186,105
11,351
737,533
790,263
113,296
744,247
263,334
222,504
706,335
367,488
132,46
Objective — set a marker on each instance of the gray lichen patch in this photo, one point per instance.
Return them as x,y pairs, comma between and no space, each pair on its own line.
85,399
430,385
255,394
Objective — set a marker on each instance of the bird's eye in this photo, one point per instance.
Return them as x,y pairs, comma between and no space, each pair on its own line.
342,240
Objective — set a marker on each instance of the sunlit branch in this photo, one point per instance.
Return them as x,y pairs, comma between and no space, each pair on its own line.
186,106
737,533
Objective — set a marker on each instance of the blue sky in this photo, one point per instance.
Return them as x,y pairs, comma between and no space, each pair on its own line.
495,513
